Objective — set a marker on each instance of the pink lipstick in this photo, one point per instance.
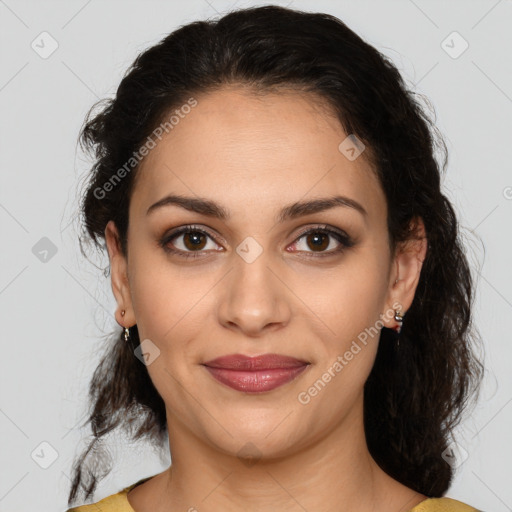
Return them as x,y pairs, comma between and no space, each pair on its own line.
255,374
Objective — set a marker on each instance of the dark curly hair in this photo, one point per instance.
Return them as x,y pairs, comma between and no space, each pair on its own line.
414,396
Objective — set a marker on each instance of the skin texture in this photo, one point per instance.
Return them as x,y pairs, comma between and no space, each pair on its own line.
254,155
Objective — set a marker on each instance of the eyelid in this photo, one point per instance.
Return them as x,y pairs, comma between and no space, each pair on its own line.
323,227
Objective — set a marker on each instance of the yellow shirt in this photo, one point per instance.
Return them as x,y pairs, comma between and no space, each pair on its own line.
119,503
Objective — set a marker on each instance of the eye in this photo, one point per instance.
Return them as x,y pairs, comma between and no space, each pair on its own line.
322,240
188,239
192,242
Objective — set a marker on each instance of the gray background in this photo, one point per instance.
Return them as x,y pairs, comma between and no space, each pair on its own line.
55,307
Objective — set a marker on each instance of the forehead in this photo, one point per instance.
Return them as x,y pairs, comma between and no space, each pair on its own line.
237,145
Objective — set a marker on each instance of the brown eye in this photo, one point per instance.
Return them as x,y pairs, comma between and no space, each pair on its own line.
318,241
322,241
194,240
189,242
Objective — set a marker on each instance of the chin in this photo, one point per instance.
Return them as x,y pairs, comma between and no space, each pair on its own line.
267,439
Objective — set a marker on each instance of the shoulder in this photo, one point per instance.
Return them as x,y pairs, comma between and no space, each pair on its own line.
113,503
443,505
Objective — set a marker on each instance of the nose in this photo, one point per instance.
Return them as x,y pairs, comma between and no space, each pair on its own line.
254,300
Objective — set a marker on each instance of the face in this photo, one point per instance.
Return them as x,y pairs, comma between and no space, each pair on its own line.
256,273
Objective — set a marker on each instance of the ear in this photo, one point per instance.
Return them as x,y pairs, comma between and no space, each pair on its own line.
405,272
119,276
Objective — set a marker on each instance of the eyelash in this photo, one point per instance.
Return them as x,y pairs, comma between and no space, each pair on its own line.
344,240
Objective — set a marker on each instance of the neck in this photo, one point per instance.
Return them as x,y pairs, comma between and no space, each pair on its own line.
334,473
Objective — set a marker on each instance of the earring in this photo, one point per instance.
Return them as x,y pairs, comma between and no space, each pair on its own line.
399,318
126,329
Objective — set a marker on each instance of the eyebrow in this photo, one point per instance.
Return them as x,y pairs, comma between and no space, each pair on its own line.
298,209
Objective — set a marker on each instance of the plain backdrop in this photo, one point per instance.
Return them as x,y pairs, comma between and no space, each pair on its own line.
55,306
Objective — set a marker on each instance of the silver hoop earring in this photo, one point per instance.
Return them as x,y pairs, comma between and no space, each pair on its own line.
126,334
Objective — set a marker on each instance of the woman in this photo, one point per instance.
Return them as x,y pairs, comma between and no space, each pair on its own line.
294,295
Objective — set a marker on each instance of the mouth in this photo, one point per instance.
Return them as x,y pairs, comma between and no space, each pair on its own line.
255,374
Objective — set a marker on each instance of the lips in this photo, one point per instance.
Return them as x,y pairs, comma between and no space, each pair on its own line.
255,374
263,362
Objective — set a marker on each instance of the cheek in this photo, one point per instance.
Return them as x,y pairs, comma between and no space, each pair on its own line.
352,295
350,306
349,301
170,310
170,302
